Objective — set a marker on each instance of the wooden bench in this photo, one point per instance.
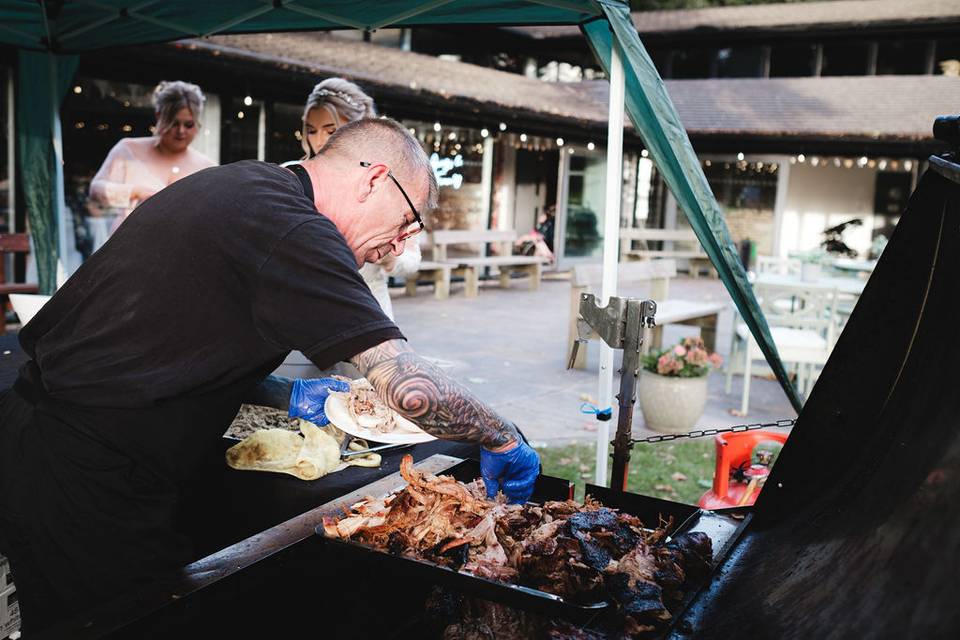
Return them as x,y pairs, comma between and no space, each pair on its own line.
12,243
437,273
683,244
470,267
587,278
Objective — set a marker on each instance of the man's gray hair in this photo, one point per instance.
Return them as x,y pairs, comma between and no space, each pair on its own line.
171,96
384,140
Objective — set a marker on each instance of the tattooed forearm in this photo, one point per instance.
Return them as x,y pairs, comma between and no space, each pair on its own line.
273,391
427,396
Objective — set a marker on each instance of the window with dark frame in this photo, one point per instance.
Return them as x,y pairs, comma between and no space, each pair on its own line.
284,132
845,59
740,62
240,126
946,60
693,63
792,60
902,57
6,181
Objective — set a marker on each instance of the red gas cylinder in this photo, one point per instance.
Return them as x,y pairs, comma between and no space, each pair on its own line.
735,453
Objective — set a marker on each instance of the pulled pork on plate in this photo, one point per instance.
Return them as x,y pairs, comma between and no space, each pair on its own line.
368,409
585,553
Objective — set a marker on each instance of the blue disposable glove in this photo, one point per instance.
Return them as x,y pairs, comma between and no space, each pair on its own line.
514,472
307,398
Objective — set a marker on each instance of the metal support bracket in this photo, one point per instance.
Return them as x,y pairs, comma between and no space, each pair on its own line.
621,324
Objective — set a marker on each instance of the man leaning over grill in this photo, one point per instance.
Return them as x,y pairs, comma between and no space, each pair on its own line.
142,359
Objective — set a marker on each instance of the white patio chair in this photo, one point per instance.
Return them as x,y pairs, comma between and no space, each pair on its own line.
774,264
803,324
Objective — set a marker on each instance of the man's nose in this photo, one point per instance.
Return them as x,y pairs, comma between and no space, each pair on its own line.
397,246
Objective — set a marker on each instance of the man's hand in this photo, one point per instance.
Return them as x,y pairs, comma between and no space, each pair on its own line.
307,398
513,471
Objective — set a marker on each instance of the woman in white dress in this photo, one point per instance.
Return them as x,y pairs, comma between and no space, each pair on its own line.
333,103
136,168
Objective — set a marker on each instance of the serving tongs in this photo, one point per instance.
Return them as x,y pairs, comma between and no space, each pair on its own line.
383,447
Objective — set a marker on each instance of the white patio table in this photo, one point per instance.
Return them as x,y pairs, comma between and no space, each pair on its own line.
844,285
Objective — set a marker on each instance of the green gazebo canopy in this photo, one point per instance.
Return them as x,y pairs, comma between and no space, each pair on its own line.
51,33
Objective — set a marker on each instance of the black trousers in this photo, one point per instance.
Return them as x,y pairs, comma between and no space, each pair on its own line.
80,520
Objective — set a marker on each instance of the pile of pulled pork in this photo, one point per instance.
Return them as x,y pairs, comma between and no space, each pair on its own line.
585,553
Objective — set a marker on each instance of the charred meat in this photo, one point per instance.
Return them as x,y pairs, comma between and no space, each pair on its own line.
584,553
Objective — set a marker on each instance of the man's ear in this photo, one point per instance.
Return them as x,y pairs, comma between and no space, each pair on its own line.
372,179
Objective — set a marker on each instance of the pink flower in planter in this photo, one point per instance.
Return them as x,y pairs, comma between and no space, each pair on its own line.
716,359
667,365
697,357
679,350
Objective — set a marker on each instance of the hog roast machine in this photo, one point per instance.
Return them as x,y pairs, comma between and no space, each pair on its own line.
858,539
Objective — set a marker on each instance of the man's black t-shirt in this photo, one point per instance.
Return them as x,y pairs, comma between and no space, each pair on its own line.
204,288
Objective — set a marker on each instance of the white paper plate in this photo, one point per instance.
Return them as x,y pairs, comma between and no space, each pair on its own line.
338,413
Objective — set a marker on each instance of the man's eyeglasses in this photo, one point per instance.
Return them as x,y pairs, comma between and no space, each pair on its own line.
414,227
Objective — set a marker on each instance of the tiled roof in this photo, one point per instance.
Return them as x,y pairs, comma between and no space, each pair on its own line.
793,15
419,75
889,108
871,107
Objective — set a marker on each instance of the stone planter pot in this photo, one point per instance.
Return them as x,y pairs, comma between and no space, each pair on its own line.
671,404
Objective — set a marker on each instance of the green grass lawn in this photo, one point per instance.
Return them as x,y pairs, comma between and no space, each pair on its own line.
680,470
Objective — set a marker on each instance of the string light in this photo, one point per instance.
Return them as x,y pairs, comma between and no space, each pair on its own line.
503,126
523,137
590,147
239,115
907,165
645,154
740,156
452,135
77,89
484,133
570,150
248,101
801,158
862,162
559,142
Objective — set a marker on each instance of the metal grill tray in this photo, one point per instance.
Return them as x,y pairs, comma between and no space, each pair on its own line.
526,598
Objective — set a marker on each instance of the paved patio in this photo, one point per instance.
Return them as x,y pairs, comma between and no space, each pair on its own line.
508,347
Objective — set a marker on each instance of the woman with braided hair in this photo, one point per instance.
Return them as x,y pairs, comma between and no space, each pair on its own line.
333,103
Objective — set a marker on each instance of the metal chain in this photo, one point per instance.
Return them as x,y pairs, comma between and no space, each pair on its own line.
702,433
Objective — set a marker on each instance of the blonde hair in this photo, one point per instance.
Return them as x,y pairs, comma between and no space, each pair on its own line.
346,102
169,97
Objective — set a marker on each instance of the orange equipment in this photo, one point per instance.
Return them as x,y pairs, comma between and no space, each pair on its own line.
735,458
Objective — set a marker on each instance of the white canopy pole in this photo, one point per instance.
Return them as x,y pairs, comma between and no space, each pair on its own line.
611,249
59,202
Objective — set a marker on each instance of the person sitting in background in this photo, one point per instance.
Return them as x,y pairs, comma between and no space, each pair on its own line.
136,168
333,103
538,242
